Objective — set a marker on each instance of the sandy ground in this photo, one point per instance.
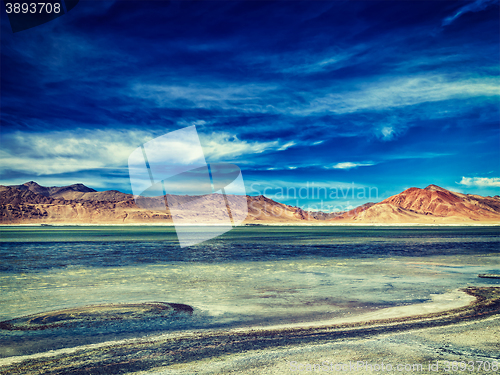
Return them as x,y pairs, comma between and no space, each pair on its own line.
440,347
439,303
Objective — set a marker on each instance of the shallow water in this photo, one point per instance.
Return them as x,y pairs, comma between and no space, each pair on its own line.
249,276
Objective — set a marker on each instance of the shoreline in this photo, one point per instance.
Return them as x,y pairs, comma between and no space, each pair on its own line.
188,346
298,224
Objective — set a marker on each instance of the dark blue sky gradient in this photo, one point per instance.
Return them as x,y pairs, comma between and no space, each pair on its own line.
386,95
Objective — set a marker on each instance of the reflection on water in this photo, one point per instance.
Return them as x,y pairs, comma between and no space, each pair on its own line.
250,276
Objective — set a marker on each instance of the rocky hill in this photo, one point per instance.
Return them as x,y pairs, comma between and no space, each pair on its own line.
32,203
431,205
78,204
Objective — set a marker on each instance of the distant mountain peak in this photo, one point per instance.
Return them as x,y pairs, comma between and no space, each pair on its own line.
53,191
31,183
81,188
434,204
434,188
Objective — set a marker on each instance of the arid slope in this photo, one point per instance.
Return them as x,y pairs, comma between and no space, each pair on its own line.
31,203
431,205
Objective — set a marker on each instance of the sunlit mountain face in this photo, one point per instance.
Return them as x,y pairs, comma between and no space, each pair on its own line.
33,204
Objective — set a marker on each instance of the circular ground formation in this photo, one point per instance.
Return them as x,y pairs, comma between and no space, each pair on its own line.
89,315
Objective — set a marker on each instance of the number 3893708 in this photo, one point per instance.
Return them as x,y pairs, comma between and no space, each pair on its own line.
33,8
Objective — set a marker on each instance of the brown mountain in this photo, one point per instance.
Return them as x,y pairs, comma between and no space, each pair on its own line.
54,191
431,205
78,204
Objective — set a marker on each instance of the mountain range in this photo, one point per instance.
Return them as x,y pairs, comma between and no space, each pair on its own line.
31,203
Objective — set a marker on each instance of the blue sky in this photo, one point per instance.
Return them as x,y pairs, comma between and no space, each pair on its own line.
339,95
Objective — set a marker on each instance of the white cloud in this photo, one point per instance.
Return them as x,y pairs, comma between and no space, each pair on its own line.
287,145
480,181
222,146
77,150
68,151
387,132
350,165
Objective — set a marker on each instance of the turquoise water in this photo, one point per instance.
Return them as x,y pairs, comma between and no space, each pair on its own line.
27,249
249,276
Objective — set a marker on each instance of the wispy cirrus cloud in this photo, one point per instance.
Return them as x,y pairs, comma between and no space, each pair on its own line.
474,6
329,61
352,97
220,95
225,146
400,92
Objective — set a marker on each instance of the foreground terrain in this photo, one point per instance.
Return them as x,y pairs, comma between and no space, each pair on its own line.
433,339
